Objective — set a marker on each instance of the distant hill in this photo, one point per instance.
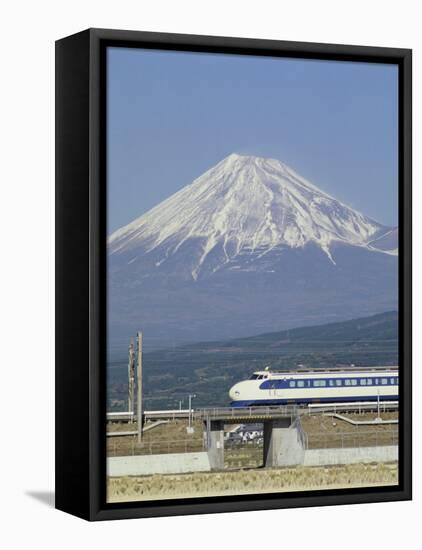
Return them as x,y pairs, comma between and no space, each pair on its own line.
209,369
381,327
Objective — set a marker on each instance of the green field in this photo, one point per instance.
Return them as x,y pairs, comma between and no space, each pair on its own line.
209,369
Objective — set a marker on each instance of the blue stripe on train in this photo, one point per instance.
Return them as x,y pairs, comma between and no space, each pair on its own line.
344,399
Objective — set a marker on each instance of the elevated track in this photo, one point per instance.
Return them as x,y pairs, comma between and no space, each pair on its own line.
257,413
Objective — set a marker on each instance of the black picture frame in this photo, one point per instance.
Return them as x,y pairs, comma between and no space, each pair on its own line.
81,284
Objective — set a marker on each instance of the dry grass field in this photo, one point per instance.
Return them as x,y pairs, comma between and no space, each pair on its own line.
156,487
165,438
328,432
243,456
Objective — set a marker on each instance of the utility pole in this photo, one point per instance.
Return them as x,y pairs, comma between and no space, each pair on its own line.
131,379
190,429
139,376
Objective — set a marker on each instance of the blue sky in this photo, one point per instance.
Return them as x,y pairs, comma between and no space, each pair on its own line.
173,115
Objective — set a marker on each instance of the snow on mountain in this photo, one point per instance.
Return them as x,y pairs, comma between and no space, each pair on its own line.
386,241
249,247
247,205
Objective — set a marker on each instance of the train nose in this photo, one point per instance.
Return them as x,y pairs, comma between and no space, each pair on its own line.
234,392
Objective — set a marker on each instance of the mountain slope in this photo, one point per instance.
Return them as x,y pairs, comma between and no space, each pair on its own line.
248,247
380,329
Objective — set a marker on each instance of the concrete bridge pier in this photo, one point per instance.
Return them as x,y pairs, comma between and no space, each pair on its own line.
214,431
280,443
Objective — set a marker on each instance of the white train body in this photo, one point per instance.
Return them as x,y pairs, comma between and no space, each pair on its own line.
346,384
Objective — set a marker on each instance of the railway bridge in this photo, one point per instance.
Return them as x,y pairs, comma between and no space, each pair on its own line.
277,423
281,426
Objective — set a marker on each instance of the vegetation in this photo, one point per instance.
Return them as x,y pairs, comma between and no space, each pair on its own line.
275,480
209,369
327,432
171,437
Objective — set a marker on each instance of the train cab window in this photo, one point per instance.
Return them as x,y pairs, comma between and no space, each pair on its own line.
292,383
254,377
300,383
339,382
384,381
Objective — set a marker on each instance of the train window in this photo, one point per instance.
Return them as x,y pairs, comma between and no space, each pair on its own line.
319,383
392,381
339,382
362,381
347,382
384,381
354,382
331,382
369,381
292,383
376,381
300,384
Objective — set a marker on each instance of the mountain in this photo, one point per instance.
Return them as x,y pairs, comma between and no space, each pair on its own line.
245,206
209,369
247,247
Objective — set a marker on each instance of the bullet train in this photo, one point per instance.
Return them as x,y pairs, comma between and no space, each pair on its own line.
305,386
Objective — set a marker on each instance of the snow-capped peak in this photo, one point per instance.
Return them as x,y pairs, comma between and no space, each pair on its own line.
246,204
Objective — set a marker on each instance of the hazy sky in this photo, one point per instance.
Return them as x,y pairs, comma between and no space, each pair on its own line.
173,115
